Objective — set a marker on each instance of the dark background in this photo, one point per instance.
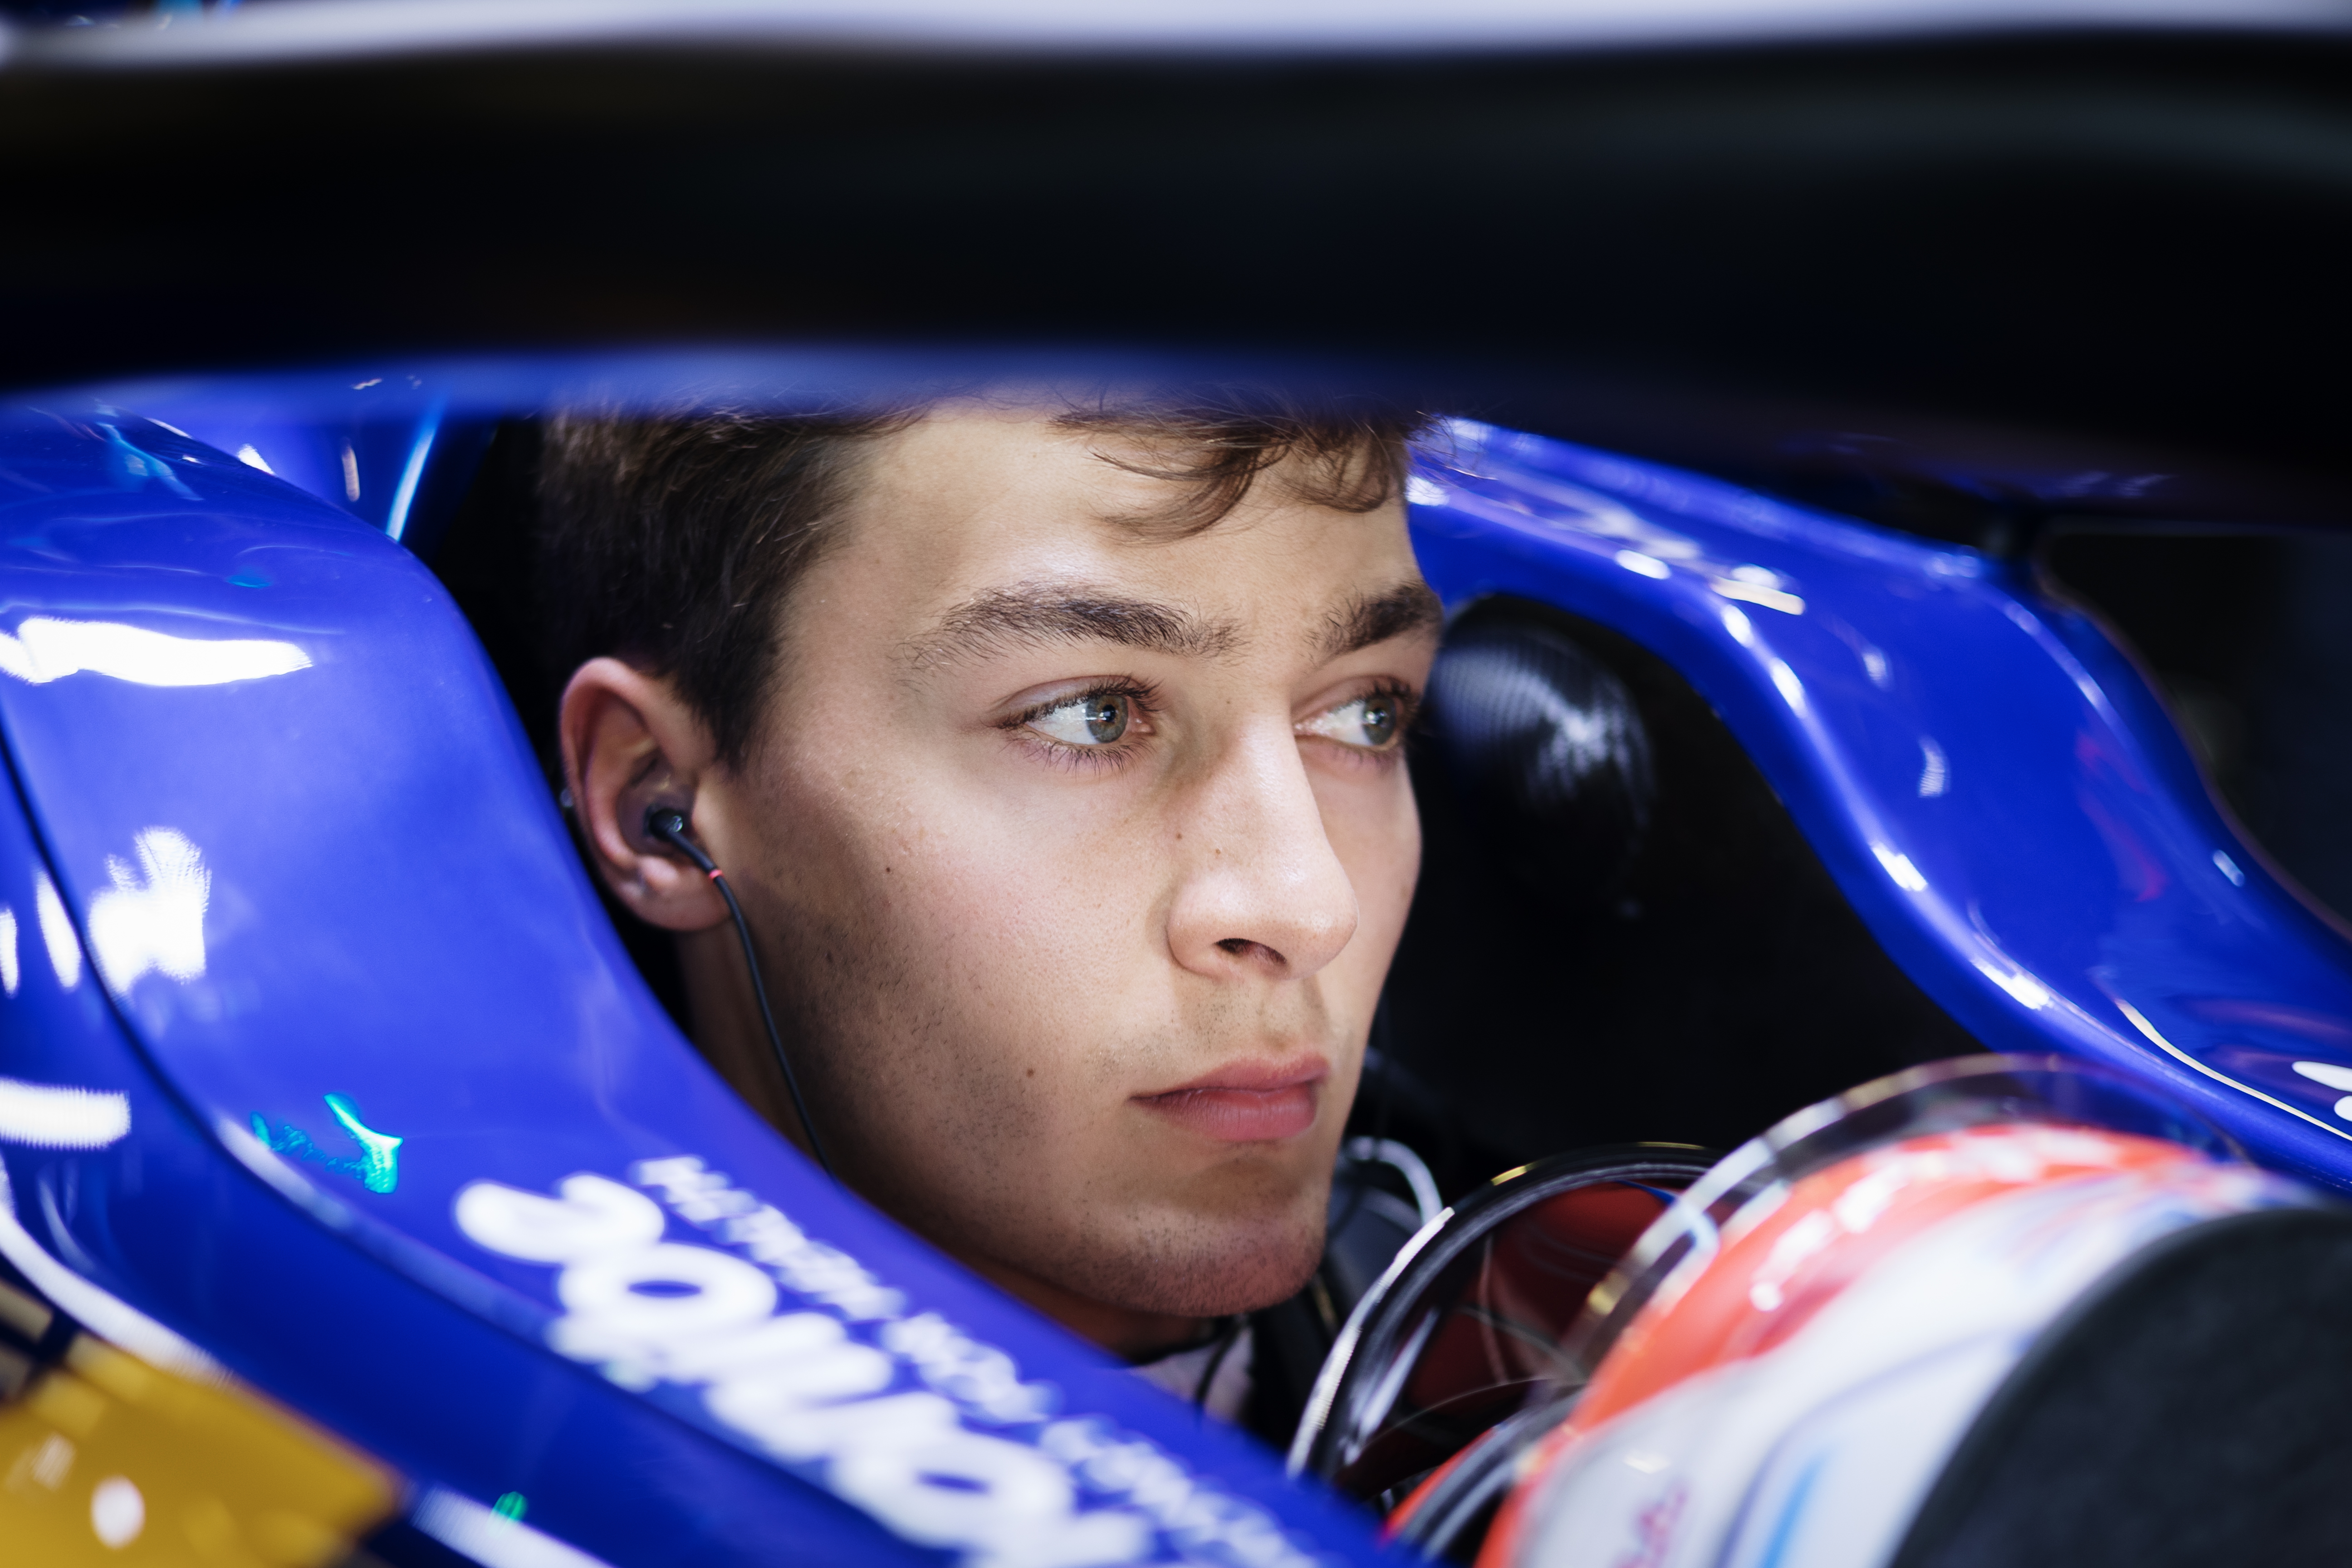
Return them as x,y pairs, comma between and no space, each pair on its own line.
1949,283
2249,637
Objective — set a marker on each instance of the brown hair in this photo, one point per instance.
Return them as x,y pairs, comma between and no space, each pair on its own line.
673,541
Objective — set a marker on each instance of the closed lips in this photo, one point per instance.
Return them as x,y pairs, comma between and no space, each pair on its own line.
1248,1104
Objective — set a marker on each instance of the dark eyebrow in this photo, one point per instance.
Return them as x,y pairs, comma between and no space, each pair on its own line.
1033,614
1370,618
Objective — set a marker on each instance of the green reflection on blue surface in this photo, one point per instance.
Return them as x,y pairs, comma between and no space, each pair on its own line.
378,1167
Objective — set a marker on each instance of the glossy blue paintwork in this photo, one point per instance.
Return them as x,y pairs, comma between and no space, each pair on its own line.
388,912
391,914
1990,780
165,1223
382,446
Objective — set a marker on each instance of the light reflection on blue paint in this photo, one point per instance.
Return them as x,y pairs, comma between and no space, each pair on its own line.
152,917
46,647
396,521
1791,689
1934,772
131,467
1906,876
59,1116
56,932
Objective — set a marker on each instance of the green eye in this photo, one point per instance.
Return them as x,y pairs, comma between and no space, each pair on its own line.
1106,718
1095,720
1370,724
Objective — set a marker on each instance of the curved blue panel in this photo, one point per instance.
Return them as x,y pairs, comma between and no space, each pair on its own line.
384,446
403,1128
1988,779
165,1228
331,929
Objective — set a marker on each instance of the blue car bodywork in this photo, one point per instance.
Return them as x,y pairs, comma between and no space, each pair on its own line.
323,1063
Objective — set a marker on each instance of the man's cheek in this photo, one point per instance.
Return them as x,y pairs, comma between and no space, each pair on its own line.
1026,931
1379,842
1019,1005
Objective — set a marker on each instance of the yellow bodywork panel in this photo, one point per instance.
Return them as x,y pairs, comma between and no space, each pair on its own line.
106,1459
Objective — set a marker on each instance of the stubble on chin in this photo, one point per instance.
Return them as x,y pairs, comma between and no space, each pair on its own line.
947,1138
1103,1229
1139,1251
1192,1265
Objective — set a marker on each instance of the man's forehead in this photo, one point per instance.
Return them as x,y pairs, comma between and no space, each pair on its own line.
1027,466
995,458
1007,534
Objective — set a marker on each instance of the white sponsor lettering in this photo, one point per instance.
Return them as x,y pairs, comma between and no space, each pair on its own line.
708,1199
922,1428
977,1376
1203,1522
589,1215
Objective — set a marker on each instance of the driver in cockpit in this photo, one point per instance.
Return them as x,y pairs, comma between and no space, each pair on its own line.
1055,755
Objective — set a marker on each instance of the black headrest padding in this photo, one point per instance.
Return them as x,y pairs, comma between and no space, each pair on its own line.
1548,749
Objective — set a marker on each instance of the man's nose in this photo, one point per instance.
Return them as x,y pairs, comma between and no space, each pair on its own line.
1262,891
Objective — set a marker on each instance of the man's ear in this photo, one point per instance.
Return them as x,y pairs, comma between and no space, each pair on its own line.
631,744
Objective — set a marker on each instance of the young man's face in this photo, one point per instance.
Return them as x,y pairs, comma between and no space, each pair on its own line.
1076,857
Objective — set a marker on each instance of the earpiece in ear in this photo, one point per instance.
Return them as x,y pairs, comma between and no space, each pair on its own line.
666,825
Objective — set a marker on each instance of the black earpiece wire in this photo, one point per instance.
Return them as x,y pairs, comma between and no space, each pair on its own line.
667,824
